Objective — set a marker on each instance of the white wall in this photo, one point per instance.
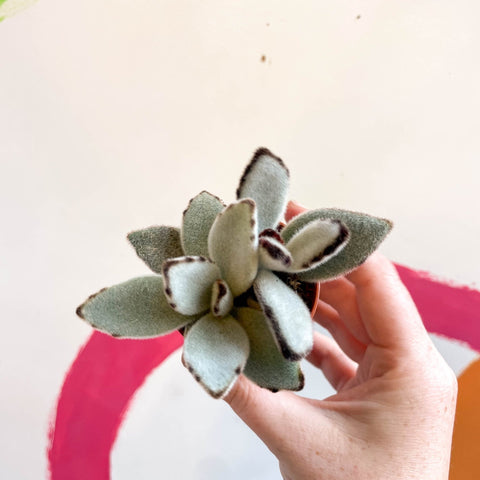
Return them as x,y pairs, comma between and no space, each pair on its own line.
113,114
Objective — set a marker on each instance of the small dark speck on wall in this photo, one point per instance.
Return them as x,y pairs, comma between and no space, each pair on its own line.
263,58
359,17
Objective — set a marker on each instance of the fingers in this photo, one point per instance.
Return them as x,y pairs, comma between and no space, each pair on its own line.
328,317
342,296
328,357
388,312
293,209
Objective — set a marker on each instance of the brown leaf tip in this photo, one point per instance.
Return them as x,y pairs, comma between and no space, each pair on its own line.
214,394
222,289
79,310
260,152
343,235
167,265
249,202
271,233
301,380
275,252
203,192
281,341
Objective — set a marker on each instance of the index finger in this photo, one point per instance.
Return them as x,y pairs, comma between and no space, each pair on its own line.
387,310
293,209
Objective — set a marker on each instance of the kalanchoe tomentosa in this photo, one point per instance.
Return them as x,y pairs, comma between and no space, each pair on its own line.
221,280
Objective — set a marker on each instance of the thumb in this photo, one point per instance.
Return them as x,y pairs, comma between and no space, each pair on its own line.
268,414
293,209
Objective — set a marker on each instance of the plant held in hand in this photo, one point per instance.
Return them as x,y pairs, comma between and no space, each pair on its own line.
225,280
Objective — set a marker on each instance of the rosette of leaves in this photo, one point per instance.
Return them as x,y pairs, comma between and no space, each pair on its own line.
223,261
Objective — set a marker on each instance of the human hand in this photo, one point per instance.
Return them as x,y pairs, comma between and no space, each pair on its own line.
392,416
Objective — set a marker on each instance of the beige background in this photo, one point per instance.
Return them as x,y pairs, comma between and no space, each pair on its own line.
113,114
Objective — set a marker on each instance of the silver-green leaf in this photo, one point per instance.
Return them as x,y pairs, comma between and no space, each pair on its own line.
155,244
266,366
215,352
133,309
188,283
316,242
366,234
273,254
233,245
286,314
266,180
198,219
222,299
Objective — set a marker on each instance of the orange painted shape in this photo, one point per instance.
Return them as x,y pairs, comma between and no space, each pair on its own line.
465,463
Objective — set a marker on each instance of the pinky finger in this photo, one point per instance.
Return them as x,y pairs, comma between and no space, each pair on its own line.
329,357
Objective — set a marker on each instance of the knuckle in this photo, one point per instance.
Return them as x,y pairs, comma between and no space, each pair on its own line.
443,383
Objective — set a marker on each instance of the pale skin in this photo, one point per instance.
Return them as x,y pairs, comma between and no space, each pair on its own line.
392,416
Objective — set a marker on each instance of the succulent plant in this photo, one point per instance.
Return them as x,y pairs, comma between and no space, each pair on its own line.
225,278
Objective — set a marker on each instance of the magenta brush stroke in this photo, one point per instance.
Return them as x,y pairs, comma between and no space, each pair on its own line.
106,373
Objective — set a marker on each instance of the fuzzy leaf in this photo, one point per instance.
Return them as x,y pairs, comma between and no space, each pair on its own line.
266,366
133,309
273,254
155,244
222,299
233,245
188,283
215,353
266,180
287,315
316,242
198,218
366,234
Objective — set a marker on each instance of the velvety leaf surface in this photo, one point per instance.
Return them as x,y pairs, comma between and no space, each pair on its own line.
266,180
266,366
273,254
155,244
316,242
222,299
233,245
188,283
366,234
198,218
287,315
215,353
133,309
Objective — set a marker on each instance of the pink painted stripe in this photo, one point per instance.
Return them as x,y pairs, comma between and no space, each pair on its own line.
94,399
107,372
447,309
